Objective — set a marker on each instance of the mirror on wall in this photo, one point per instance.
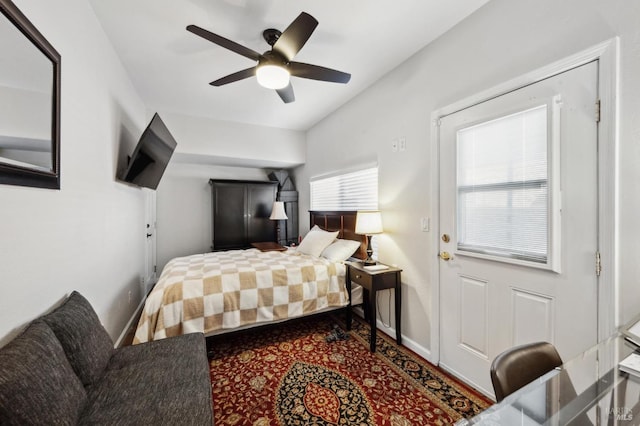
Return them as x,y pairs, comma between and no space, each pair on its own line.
29,103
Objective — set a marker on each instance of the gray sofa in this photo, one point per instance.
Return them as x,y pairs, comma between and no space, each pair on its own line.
63,370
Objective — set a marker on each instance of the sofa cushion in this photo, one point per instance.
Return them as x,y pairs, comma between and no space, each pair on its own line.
183,349
164,382
84,339
37,384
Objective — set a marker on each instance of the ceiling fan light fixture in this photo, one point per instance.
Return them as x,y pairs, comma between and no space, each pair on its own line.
275,67
272,76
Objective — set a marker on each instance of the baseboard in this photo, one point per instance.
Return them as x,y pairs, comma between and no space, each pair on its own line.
486,392
391,332
130,323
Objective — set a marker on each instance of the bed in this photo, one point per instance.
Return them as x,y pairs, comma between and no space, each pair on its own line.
231,290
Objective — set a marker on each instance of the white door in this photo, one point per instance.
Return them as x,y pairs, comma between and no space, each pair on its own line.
150,274
518,221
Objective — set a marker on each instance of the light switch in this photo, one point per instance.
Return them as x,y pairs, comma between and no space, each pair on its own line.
424,224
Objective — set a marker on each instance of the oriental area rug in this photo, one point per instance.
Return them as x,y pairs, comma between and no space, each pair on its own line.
288,374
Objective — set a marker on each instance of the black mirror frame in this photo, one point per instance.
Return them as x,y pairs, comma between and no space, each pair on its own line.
24,176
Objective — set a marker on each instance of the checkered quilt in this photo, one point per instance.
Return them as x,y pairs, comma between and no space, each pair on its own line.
230,289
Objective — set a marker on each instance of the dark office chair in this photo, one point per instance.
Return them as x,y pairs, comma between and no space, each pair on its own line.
520,365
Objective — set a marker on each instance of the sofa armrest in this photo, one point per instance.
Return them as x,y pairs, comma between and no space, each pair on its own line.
37,384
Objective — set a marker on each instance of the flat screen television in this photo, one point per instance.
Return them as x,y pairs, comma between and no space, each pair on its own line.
151,156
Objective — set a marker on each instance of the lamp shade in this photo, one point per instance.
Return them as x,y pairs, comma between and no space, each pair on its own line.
278,213
272,76
369,222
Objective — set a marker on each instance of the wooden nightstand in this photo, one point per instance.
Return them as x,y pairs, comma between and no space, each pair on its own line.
268,246
372,281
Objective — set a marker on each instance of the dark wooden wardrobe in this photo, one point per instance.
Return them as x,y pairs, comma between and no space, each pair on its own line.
241,211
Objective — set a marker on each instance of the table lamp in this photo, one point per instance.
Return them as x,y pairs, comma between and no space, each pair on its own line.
278,214
369,223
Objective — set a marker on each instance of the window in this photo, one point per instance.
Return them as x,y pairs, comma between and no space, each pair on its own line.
354,190
503,181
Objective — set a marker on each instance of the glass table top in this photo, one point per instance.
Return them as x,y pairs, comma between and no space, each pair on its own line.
587,390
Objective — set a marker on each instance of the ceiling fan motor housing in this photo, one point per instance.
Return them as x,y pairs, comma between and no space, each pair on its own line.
271,35
272,58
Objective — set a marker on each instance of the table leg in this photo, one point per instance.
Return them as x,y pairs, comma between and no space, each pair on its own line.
365,304
372,320
349,306
398,298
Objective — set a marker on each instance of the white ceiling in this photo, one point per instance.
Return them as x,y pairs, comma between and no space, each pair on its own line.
171,67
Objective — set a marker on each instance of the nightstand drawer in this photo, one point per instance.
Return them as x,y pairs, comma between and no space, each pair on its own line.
361,278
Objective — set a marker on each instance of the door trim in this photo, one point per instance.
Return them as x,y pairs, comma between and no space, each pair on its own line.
607,53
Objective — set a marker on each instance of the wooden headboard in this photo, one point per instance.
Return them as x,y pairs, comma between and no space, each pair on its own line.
342,221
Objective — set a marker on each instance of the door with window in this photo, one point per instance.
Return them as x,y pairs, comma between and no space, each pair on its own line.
150,275
518,223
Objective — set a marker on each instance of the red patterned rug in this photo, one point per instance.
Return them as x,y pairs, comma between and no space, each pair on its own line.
288,374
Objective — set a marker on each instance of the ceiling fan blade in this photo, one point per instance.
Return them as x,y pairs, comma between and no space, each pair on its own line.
286,94
295,36
224,42
236,76
316,72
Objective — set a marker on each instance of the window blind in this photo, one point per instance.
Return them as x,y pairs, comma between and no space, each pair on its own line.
357,190
503,187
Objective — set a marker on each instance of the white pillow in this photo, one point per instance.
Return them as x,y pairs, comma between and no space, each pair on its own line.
316,240
340,250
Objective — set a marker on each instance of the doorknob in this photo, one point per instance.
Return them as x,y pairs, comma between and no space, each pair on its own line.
444,255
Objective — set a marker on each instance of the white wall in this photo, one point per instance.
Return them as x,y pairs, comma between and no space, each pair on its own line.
248,152
184,216
89,235
215,141
503,40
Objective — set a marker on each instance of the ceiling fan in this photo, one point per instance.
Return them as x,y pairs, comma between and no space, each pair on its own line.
274,67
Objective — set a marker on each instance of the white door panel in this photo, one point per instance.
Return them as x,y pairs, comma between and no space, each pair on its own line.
473,311
526,306
150,274
489,302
